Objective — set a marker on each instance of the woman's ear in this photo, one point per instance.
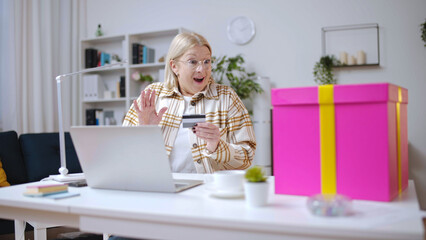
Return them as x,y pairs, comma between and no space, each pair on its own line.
174,67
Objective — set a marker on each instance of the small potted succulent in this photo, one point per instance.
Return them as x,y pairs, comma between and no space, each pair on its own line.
256,187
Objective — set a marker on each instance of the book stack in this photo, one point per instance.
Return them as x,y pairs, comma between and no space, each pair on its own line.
44,190
96,58
91,57
94,116
142,54
137,49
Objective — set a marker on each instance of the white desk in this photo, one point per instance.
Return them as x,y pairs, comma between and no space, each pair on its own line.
192,214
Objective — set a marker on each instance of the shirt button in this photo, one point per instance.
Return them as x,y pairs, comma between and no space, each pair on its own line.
199,161
194,145
193,103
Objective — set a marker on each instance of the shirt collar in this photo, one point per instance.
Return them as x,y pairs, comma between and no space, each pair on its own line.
210,92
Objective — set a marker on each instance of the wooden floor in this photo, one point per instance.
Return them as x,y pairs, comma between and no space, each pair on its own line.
57,233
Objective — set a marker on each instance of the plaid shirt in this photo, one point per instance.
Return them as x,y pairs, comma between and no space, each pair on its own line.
222,107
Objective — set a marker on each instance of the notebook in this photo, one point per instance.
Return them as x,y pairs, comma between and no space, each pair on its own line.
126,158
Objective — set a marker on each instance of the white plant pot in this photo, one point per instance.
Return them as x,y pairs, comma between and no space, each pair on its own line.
256,193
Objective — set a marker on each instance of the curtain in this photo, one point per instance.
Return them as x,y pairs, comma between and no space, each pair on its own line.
41,40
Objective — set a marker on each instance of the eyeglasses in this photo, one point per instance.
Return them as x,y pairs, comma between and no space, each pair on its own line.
193,64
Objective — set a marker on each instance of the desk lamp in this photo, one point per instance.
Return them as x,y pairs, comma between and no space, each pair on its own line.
63,171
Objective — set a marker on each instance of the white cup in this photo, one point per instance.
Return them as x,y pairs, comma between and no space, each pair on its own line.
229,180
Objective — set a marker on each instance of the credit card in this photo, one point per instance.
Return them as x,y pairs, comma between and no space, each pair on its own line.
188,121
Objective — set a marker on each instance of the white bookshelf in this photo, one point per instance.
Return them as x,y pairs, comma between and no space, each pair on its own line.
122,46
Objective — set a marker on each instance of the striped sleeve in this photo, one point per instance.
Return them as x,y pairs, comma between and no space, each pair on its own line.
237,147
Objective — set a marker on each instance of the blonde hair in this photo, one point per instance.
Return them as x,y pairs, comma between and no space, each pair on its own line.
180,44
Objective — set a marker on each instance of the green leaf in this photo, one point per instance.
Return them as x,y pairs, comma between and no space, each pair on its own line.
232,69
323,70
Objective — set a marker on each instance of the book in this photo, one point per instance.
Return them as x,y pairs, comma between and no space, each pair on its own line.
140,57
145,54
148,55
122,86
62,195
99,117
91,56
90,116
43,194
46,188
117,90
98,60
151,55
105,58
135,53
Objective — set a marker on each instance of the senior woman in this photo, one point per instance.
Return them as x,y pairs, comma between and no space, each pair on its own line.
225,141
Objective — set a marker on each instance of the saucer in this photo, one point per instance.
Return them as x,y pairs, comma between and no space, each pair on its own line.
213,192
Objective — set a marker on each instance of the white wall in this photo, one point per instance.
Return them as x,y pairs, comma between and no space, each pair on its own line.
288,42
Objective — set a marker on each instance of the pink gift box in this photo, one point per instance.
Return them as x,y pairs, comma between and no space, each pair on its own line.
371,144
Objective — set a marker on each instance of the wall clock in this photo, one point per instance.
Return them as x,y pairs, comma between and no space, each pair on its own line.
241,30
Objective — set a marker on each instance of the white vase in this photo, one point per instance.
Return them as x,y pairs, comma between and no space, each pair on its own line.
256,193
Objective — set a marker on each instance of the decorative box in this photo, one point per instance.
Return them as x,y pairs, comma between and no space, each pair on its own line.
345,139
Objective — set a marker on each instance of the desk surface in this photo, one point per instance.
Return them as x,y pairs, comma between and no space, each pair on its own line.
193,214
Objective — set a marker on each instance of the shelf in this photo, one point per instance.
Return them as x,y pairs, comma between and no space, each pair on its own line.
106,100
155,34
147,65
111,69
104,39
357,65
357,39
350,27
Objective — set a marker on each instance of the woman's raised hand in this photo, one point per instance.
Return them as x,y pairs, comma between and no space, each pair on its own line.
147,115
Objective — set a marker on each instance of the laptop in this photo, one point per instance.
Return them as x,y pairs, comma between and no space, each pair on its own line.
126,158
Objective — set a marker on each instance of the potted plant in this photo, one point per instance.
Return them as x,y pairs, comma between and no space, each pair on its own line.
231,68
137,76
323,70
256,187
423,31
144,79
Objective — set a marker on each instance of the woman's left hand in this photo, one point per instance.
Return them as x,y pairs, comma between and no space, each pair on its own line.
209,133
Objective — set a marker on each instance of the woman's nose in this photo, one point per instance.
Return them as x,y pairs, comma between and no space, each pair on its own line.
199,67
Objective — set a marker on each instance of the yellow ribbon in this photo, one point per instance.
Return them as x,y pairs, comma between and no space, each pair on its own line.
398,133
327,139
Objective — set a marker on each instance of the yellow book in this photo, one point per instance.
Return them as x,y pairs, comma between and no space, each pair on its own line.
33,189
